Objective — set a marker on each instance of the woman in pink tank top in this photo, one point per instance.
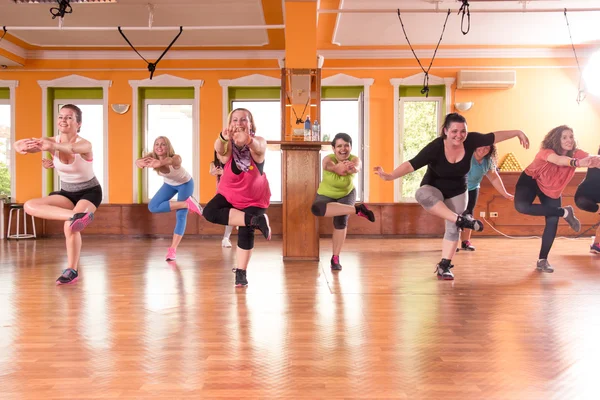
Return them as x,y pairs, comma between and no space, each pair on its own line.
80,193
243,195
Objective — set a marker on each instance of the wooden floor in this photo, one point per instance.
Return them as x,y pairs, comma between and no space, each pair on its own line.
136,327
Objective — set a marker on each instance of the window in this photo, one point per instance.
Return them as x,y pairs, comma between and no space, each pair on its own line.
267,116
5,146
420,122
173,119
92,130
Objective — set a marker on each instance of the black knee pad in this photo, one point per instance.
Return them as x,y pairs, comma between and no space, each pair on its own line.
318,209
246,238
340,222
585,204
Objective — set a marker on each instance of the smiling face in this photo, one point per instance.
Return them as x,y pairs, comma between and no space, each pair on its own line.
567,140
67,121
481,152
241,120
342,149
456,133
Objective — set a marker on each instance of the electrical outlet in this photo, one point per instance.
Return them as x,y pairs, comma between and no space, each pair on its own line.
482,214
493,215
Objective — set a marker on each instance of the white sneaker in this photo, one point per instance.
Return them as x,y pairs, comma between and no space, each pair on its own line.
225,243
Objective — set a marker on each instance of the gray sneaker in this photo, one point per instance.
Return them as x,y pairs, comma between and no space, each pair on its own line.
544,266
572,220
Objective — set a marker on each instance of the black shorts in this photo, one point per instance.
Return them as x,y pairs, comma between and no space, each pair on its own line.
93,195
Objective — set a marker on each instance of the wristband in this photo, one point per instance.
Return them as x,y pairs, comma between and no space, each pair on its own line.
222,138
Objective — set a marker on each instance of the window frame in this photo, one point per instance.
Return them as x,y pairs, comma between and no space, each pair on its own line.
400,148
146,171
417,81
11,85
85,102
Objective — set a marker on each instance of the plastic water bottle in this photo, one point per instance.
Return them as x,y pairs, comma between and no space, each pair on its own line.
316,131
307,132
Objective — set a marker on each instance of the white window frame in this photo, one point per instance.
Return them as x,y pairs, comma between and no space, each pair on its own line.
254,80
78,81
11,85
97,102
166,80
147,171
414,80
347,80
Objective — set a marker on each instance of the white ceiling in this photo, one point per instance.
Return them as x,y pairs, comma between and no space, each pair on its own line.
136,13
491,29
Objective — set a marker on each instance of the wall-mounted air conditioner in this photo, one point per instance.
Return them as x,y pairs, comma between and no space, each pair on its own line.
486,79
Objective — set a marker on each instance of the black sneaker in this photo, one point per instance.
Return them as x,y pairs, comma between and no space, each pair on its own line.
572,220
467,246
363,211
261,222
69,275
469,223
335,263
443,271
240,277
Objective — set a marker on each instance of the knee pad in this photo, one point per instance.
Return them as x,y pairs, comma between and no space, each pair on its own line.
426,197
340,222
246,238
585,204
452,232
318,208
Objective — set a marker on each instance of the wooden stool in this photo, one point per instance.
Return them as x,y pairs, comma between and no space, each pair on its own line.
19,235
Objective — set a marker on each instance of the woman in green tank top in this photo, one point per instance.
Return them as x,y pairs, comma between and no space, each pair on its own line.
336,195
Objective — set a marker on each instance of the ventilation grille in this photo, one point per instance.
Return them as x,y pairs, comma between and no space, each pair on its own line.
486,79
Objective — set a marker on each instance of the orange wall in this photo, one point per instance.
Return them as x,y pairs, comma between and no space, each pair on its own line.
543,98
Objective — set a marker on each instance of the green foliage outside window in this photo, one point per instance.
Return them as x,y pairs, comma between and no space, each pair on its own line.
4,180
420,128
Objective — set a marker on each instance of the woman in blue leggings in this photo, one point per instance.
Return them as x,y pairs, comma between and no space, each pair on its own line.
177,181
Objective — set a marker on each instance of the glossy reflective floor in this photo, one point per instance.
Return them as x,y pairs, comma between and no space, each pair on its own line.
136,327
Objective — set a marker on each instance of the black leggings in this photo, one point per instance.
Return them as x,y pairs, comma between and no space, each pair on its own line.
587,198
217,212
473,194
525,193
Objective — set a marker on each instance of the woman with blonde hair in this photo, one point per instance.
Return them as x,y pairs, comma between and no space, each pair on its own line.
176,181
243,195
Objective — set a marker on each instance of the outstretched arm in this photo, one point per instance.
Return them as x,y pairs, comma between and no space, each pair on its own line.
501,136
496,181
589,161
25,146
404,168
223,147
82,147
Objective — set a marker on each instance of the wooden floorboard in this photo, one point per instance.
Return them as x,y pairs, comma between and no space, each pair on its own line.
137,327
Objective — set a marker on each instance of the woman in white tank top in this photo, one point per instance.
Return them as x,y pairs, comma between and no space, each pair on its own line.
177,181
80,193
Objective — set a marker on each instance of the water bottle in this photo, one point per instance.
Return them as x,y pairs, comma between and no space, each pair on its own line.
316,131
307,134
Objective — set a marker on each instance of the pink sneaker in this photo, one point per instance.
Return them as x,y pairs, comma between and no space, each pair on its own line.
171,254
80,221
193,205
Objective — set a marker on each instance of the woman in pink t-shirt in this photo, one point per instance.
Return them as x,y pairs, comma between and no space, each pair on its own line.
546,177
243,194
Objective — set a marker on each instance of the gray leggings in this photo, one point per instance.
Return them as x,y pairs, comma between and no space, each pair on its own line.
320,206
429,196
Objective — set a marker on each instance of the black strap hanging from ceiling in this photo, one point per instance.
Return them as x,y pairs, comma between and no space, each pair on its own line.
151,66
465,10
298,120
63,8
425,89
4,34
580,91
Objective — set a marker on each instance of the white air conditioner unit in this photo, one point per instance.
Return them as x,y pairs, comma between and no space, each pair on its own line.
486,79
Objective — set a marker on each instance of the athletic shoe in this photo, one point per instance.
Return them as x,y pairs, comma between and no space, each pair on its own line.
68,276
443,271
595,248
193,205
467,246
469,223
226,243
572,220
80,220
544,266
363,211
261,222
240,277
335,263
171,256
